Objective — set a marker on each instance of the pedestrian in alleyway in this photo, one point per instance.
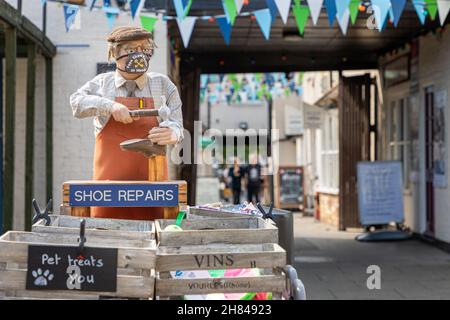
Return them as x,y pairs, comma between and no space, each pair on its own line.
236,174
253,178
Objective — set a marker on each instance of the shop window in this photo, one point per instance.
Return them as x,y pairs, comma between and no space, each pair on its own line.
396,71
329,177
399,141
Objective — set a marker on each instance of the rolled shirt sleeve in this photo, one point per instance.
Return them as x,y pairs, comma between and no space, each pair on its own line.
88,101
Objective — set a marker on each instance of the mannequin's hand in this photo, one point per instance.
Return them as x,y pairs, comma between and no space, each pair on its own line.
121,113
163,135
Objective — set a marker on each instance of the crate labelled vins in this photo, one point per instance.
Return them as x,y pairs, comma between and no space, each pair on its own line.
220,257
98,227
131,262
225,230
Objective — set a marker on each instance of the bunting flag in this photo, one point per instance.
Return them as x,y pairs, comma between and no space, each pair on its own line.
229,7
186,27
264,19
182,8
342,10
148,23
331,9
301,14
354,9
344,20
225,28
380,11
397,7
444,8
273,9
70,12
341,7
419,5
111,14
314,7
283,8
239,5
134,6
92,4
432,8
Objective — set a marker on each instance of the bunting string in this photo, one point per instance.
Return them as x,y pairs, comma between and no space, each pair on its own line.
382,12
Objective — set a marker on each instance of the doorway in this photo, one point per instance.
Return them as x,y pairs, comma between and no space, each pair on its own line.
429,159
357,139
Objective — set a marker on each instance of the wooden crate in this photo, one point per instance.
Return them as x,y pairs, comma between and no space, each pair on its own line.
226,230
135,266
97,227
269,257
202,213
169,212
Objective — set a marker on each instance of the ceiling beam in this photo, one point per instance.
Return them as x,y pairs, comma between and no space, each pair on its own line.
26,29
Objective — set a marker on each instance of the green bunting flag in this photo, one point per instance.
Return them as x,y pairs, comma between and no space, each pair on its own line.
230,10
432,8
148,23
234,81
187,8
354,9
301,14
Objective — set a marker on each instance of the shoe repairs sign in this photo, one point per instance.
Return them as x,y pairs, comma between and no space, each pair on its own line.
123,195
65,268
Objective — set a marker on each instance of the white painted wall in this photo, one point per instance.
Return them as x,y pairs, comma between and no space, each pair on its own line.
434,68
72,67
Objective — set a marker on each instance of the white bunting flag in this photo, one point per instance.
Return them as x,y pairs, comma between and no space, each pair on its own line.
315,6
344,20
186,27
443,8
239,4
283,8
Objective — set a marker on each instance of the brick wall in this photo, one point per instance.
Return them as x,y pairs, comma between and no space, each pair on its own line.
329,209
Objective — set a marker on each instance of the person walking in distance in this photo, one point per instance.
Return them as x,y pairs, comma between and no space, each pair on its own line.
236,173
253,175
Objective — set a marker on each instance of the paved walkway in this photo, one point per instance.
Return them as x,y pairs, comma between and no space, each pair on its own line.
332,265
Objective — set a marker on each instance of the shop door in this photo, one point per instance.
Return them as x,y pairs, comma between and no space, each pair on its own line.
354,143
429,161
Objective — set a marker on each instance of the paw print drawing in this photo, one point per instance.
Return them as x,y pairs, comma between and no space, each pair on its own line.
42,278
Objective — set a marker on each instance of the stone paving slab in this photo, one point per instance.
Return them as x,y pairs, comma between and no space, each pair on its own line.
333,265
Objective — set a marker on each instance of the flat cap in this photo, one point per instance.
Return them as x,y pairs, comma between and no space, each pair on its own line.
128,34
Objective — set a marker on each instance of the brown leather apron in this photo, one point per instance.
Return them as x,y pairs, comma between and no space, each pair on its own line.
112,163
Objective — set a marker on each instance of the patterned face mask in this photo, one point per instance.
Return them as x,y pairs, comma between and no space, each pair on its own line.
137,62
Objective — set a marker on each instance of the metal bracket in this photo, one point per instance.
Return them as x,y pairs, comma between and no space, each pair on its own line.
267,215
42,214
82,238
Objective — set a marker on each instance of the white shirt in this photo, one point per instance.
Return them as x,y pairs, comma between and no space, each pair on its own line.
96,98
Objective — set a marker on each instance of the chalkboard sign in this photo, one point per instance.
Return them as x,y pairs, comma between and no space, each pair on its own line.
64,268
380,192
123,195
290,181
